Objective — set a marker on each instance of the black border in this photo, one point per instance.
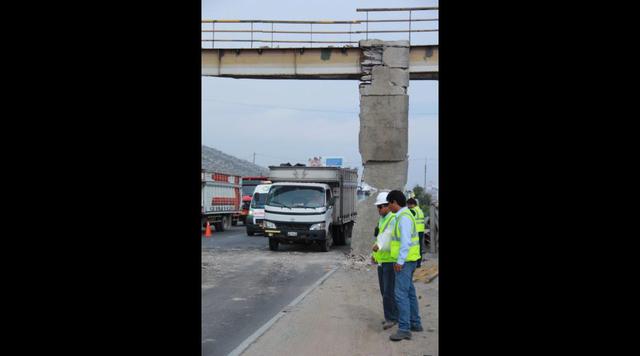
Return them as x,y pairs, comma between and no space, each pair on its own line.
110,206
108,245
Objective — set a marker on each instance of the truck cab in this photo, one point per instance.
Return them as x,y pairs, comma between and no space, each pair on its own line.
255,219
299,212
248,187
310,205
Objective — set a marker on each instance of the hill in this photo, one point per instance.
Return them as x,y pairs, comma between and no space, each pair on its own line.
218,161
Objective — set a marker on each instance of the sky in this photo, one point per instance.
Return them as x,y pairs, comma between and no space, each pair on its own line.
294,120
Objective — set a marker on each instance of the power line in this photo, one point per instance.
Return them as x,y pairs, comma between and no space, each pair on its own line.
303,109
280,107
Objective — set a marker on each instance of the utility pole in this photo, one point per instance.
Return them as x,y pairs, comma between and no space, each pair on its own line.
425,175
254,158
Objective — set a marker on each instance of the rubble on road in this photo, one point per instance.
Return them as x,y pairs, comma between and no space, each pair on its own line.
358,262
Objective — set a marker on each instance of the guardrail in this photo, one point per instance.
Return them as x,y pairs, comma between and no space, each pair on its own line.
272,35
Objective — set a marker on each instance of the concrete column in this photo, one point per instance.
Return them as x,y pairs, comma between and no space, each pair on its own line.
384,129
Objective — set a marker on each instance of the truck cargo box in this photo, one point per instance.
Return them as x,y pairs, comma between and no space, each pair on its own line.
343,181
220,193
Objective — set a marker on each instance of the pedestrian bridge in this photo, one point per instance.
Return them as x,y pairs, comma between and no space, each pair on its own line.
292,49
306,63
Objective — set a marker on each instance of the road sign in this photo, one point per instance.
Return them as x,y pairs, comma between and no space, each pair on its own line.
333,162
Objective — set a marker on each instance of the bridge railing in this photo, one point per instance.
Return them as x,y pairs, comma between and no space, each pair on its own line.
300,33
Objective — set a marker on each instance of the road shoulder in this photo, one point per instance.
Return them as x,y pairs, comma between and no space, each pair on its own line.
342,317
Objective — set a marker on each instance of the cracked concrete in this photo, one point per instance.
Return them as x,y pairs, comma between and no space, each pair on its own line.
384,129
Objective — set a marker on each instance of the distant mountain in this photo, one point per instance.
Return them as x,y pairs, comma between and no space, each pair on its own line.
218,161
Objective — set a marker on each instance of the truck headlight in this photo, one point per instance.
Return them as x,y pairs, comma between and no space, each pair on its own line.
318,226
269,225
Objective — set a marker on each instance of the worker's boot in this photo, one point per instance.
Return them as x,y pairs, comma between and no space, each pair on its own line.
399,335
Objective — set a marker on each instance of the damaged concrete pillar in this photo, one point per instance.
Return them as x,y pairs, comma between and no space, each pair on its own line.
384,129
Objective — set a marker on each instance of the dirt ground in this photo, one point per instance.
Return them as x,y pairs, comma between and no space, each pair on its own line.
343,317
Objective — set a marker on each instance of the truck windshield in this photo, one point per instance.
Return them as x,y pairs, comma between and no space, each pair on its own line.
248,189
296,197
258,200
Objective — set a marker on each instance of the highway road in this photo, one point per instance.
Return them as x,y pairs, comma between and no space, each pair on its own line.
244,284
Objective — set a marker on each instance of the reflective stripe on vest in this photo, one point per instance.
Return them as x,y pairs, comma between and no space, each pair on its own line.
383,223
414,245
419,218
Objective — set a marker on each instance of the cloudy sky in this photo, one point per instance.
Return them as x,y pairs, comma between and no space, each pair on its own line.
294,120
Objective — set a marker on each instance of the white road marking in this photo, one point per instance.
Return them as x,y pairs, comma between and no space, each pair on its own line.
253,337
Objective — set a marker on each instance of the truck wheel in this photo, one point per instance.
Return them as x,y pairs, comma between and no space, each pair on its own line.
250,233
325,245
273,244
234,222
338,235
219,226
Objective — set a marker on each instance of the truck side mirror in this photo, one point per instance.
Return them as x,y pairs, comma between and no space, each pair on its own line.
332,201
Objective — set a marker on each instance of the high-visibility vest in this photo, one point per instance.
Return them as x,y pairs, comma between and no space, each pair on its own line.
419,218
414,246
383,223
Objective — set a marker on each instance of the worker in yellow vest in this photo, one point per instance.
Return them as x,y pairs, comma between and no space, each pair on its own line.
405,250
382,256
418,214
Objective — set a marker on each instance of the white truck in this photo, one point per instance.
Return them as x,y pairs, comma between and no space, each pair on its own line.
310,205
254,221
221,199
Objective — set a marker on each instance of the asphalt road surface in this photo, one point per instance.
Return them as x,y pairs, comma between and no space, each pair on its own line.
244,284
236,238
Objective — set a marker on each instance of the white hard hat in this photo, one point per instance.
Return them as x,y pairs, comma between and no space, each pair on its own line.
382,198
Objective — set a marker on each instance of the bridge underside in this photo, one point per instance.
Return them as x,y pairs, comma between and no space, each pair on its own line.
307,63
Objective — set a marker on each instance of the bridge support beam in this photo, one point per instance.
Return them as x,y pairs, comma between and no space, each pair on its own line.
384,129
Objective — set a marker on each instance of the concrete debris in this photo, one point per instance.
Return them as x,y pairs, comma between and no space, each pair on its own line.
358,262
425,274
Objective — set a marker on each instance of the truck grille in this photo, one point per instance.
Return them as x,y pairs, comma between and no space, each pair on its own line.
293,226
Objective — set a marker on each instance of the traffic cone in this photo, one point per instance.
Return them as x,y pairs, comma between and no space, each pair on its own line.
207,232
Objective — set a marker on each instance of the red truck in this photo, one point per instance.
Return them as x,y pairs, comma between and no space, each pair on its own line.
248,186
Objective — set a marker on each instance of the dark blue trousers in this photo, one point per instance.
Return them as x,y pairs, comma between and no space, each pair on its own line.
387,280
406,300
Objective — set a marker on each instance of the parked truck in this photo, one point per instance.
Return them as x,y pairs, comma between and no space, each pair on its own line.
220,200
310,205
